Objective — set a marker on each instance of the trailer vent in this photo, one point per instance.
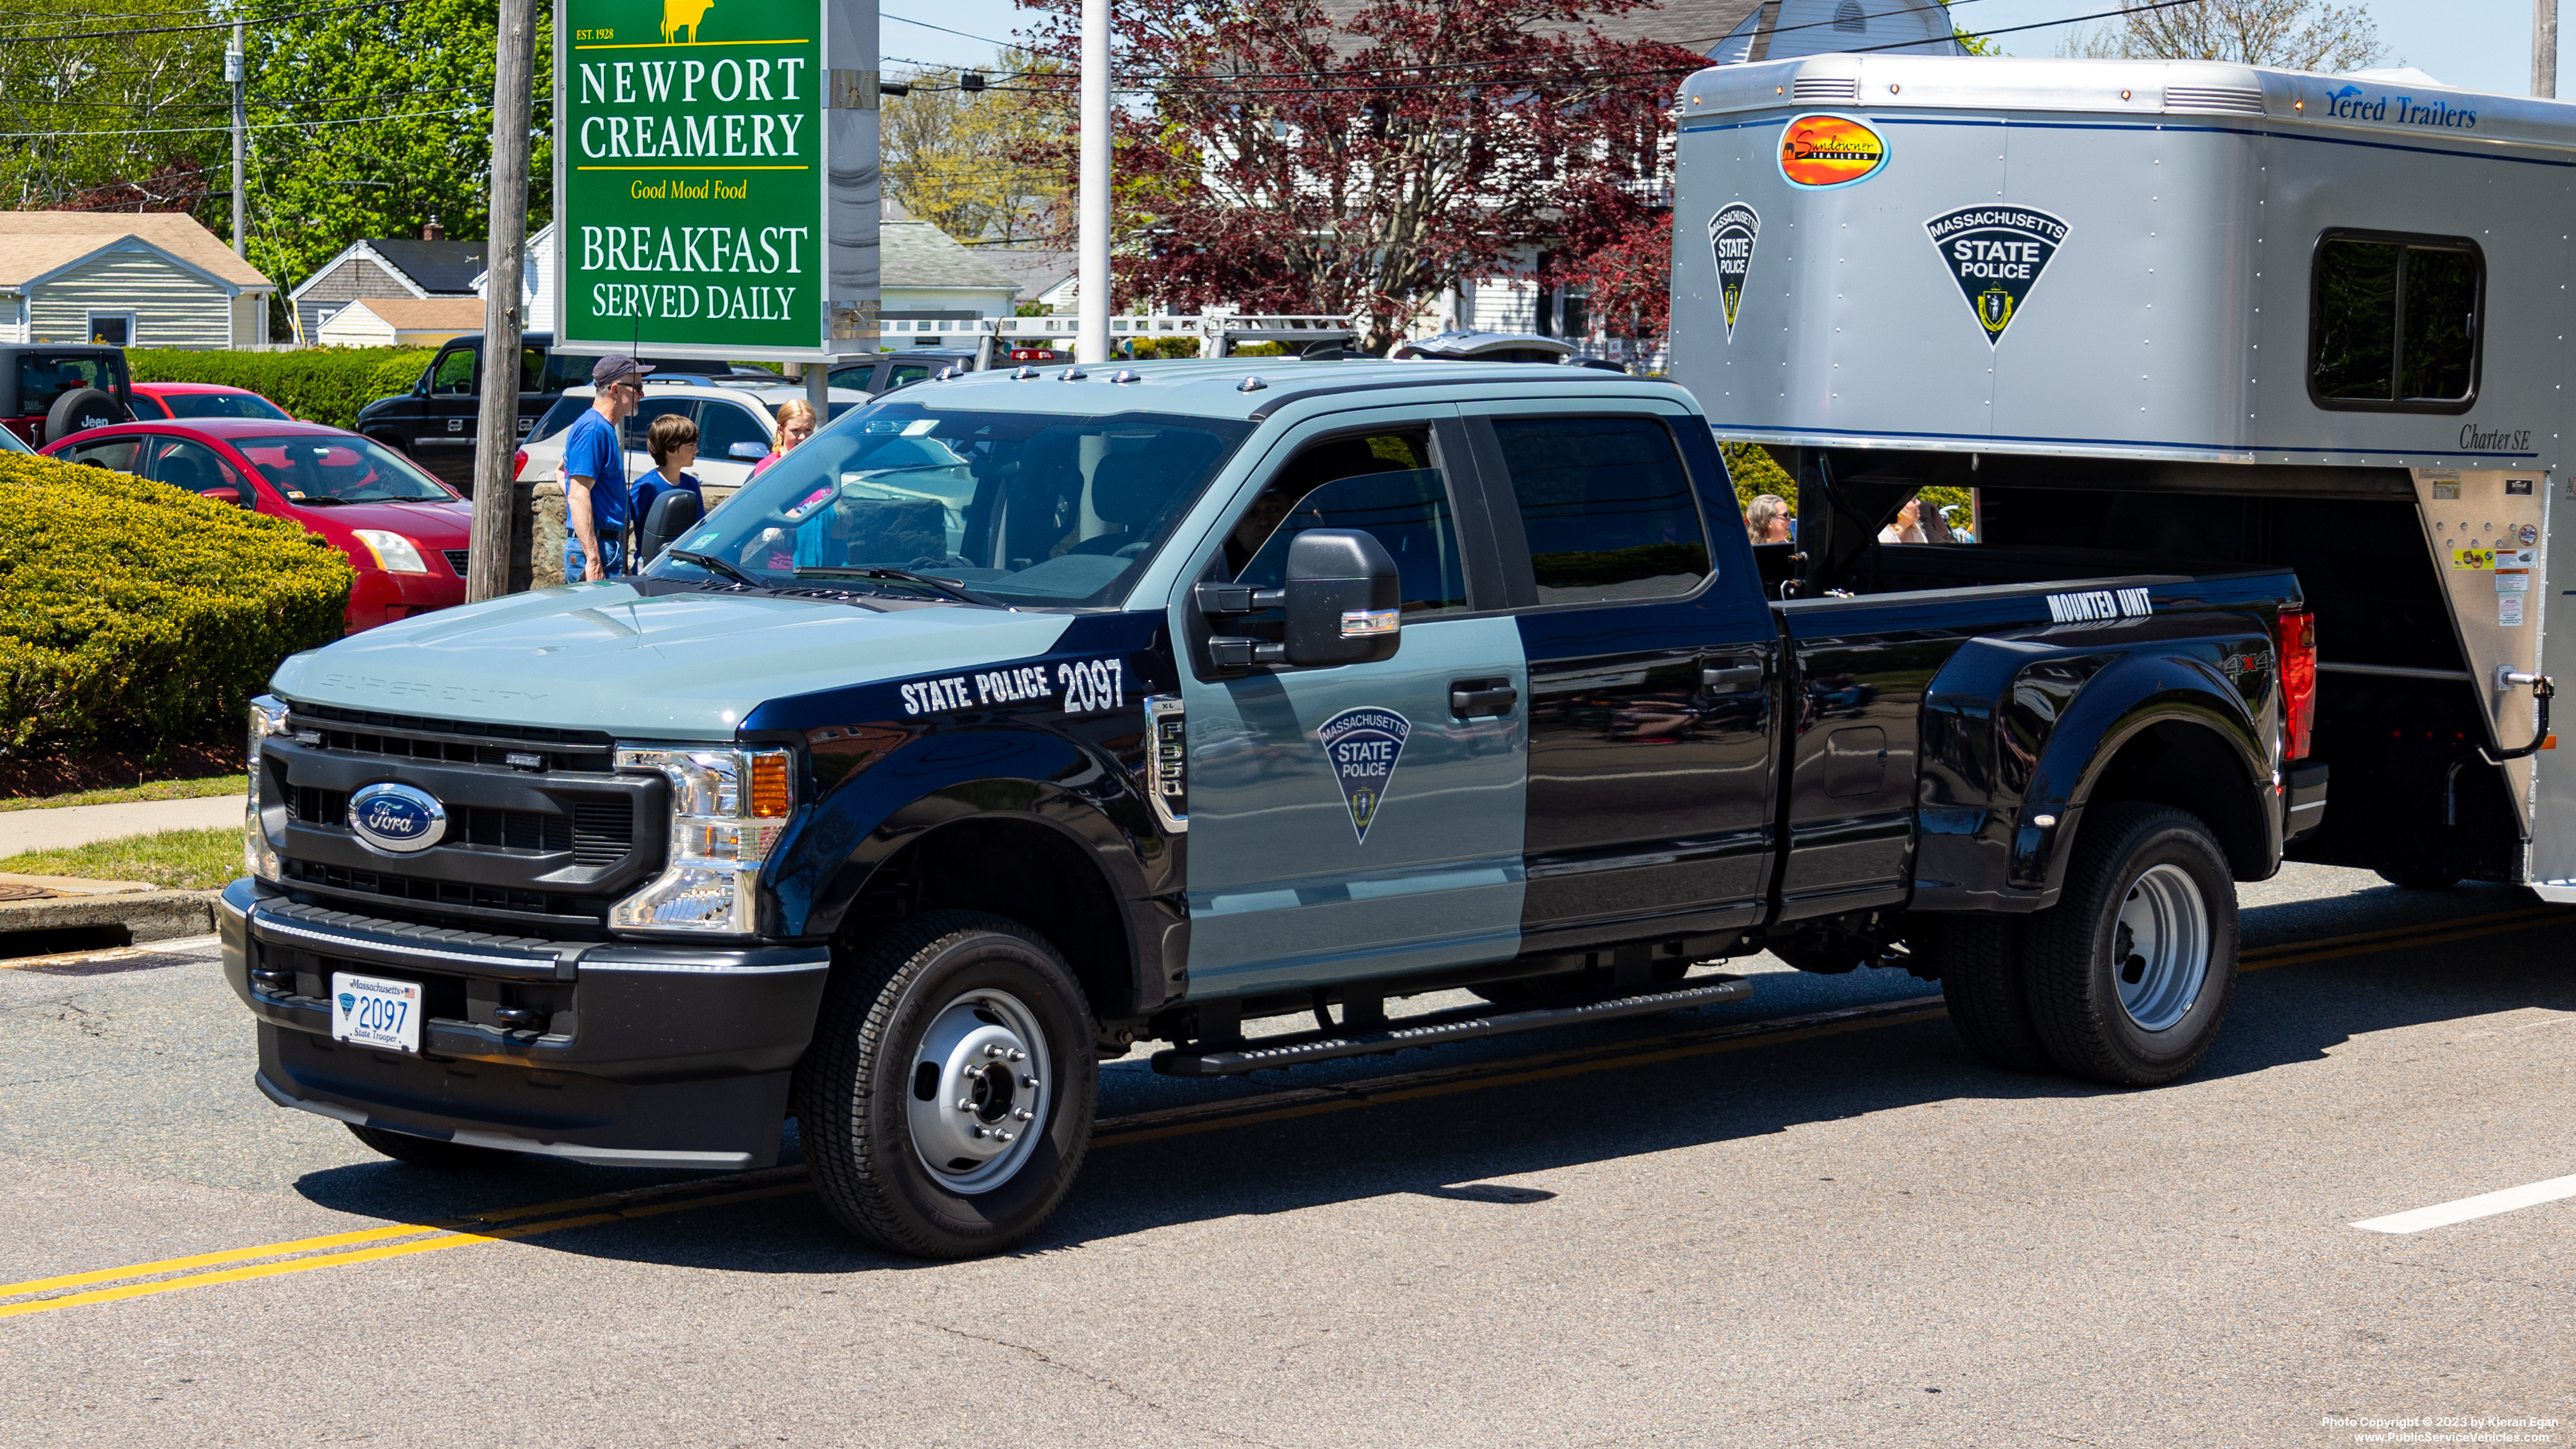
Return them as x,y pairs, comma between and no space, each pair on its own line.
2226,100
1825,88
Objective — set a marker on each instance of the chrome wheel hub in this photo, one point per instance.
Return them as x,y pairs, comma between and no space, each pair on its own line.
2160,947
979,1092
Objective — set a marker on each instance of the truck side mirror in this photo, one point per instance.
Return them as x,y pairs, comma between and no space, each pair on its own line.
1342,596
674,513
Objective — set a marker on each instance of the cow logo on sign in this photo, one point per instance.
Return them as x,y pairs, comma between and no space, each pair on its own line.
1731,234
1362,746
1996,255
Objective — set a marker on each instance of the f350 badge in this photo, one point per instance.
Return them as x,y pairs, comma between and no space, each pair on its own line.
1363,745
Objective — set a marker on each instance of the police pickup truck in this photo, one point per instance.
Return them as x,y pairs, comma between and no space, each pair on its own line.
1022,717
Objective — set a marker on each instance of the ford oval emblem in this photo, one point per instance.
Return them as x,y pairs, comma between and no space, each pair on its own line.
396,819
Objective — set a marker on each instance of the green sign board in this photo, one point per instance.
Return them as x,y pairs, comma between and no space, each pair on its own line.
694,142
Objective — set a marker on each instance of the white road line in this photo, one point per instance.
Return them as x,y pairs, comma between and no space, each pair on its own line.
2484,1205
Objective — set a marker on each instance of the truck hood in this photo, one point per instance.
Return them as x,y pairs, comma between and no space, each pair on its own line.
684,666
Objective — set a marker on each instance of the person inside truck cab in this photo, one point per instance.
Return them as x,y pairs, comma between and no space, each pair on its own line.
594,473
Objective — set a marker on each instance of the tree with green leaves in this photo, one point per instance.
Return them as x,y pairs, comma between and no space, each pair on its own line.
961,159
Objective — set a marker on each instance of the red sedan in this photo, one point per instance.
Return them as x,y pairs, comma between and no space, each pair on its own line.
188,401
404,531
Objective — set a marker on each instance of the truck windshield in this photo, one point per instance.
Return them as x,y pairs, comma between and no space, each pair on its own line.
1030,508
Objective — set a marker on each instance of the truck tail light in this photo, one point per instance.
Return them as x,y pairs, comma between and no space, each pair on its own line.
2298,645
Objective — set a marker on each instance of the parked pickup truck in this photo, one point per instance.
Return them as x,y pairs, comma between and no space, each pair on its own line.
1020,718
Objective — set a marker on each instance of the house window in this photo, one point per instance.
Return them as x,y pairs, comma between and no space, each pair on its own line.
2393,322
111,329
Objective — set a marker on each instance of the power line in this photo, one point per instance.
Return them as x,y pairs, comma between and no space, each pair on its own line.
259,126
944,30
183,29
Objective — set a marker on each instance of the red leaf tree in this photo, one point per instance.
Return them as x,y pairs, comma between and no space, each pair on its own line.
1295,156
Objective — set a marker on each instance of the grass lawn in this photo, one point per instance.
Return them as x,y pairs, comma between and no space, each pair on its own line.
157,790
190,860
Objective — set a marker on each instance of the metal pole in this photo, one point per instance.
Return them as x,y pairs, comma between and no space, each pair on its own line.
496,425
2544,49
235,75
1091,342
818,392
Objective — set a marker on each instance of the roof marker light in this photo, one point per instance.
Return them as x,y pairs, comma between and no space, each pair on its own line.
1251,384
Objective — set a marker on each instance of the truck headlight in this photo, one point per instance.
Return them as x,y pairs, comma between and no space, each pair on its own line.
267,717
728,808
394,553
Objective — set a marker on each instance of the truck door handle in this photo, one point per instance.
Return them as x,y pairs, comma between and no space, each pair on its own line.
1482,698
1730,678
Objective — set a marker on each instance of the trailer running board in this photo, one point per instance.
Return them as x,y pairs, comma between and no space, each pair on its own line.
1437,1029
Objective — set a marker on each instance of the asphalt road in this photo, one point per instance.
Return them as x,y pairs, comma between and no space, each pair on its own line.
1809,1217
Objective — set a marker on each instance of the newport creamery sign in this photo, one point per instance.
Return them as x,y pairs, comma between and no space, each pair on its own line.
715,177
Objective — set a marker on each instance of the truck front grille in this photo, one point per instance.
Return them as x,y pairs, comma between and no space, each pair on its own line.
597,832
456,742
548,912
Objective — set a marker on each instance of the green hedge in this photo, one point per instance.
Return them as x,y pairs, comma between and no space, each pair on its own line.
318,384
137,614
1755,472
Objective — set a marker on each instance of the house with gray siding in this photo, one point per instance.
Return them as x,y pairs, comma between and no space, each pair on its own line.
388,267
131,279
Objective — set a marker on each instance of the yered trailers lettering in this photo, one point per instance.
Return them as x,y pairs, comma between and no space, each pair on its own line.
2097,604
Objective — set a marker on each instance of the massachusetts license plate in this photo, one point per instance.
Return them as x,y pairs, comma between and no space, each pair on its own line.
373,1011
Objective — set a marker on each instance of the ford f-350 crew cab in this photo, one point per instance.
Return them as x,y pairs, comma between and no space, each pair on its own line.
1021,717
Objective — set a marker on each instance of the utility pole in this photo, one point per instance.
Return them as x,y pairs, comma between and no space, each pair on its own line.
235,77
2544,49
496,425
1091,261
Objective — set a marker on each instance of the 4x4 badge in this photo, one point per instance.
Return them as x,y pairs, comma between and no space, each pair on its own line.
1995,254
1362,746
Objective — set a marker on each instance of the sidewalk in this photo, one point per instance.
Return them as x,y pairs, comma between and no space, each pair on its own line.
24,830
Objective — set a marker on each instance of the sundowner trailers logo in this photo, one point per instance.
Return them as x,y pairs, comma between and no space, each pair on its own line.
1823,152
1996,255
1731,234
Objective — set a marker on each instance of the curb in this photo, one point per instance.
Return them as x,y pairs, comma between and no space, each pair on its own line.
147,914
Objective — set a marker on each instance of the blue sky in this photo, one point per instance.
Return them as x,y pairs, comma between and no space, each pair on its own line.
2473,44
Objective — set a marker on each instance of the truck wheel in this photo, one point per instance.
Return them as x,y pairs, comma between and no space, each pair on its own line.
946,1102
1979,962
2418,880
2129,975
428,1151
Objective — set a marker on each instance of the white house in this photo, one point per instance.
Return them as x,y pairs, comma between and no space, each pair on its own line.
926,280
401,321
126,279
536,303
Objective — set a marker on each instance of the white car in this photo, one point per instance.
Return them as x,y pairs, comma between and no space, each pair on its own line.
737,425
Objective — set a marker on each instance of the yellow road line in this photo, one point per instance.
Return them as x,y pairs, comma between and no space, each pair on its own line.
1305,1102
392,1250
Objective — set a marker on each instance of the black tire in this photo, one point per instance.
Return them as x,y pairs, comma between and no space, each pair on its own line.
2418,880
856,1088
429,1151
2077,955
79,410
1978,960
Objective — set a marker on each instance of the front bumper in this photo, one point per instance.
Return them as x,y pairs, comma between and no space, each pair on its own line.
610,1053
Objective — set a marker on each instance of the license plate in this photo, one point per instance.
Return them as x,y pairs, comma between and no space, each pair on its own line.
373,1011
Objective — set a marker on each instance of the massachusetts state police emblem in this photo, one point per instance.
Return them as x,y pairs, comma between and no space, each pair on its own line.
1363,745
1995,254
1731,234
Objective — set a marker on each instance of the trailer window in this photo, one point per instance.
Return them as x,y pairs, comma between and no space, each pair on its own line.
2394,322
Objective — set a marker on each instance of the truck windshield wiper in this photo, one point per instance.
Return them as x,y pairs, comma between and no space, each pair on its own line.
715,565
950,587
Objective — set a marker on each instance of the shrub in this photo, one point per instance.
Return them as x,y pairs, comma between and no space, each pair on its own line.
138,614
318,384
1755,472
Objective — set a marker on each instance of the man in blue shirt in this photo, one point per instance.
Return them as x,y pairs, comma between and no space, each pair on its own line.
594,472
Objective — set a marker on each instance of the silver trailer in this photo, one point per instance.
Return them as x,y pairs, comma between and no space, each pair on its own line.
2178,310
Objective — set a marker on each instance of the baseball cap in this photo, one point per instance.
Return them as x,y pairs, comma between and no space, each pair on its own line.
614,367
